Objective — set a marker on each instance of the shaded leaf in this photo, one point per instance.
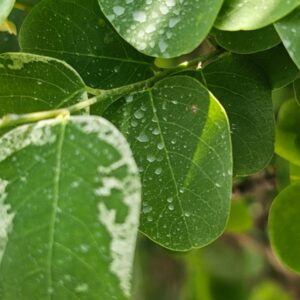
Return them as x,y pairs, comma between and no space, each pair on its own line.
31,83
162,28
245,42
246,96
70,196
289,29
249,15
284,226
180,138
80,35
281,73
288,132
297,90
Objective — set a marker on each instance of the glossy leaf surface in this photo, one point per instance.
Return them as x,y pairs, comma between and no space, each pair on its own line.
79,34
180,138
252,14
162,28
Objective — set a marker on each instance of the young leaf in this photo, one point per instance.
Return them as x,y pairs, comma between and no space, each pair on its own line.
162,28
31,83
297,90
246,96
288,133
5,8
280,74
284,226
288,30
70,200
250,15
180,138
245,42
79,34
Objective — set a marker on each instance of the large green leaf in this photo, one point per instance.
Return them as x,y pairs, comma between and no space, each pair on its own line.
32,83
245,42
246,96
288,132
5,8
79,34
253,14
180,138
162,28
289,30
281,73
70,200
284,226
297,90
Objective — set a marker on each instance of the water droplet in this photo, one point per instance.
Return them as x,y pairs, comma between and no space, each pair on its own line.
158,171
170,200
171,207
139,114
143,138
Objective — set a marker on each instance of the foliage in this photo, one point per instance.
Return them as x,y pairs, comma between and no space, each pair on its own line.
119,116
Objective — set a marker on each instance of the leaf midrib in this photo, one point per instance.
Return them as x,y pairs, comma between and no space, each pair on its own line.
169,164
56,188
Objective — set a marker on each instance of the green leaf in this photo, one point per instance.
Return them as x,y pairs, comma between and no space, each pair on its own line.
252,14
288,133
6,7
31,83
269,290
246,96
70,200
162,28
180,138
297,90
284,226
280,74
245,42
289,30
295,173
240,219
82,37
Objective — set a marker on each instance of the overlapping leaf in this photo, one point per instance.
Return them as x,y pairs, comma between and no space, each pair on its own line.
69,206
250,15
31,83
289,30
279,74
180,138
284,226
162,28
246,96
297,90
288,133
245,42
78,33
